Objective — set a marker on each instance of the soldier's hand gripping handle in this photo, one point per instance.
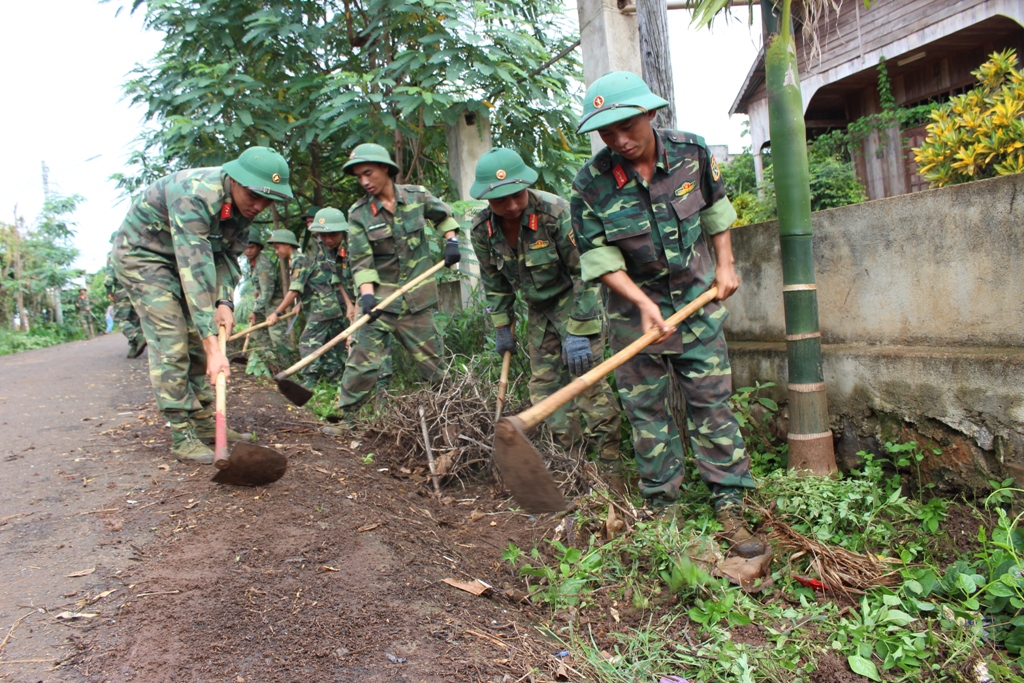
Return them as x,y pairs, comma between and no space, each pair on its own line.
452,255
366,305
216,361
504,341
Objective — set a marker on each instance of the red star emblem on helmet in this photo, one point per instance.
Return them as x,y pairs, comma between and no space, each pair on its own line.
598,102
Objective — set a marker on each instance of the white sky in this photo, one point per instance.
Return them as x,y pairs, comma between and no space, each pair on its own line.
65,60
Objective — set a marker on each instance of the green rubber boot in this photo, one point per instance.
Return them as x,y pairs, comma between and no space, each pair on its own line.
186,446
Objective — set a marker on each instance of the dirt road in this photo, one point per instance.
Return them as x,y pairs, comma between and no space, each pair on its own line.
333,573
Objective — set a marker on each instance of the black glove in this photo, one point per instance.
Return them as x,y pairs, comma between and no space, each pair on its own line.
504,341
451,252
366,304
576,354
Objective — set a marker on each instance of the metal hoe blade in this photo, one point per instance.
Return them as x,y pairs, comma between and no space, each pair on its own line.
252,465
523,471
294,392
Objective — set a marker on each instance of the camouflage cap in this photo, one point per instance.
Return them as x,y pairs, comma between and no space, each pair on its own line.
615,97
263,171
329,220
283,236
372,154
499,173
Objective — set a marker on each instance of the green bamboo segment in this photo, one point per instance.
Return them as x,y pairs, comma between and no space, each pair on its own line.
809,438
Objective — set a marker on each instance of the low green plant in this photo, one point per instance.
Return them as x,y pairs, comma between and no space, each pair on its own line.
569,578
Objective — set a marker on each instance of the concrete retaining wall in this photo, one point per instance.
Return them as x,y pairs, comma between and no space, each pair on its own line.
921,301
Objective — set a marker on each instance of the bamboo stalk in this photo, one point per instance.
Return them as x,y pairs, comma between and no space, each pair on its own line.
810,440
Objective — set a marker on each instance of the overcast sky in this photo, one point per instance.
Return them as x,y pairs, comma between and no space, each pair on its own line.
65,60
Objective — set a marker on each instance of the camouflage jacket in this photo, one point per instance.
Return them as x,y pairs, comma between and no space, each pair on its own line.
655,232
391,250
186,221
544,266
266,282
314,277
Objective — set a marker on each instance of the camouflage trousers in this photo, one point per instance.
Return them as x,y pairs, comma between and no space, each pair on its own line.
594,415
705,376
371,352
177,362
274,344
328,366
126,317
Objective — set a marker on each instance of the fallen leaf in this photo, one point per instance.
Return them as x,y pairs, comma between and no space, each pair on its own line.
329,568
744,572
476,586
165,468
100,596
615,614
84,572
368,527
475,515
68,616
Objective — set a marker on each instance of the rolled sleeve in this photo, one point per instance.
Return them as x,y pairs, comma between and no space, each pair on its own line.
366,276
718,217
449,224
601,261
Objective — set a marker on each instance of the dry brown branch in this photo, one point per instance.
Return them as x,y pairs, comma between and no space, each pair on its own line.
838,568
459,417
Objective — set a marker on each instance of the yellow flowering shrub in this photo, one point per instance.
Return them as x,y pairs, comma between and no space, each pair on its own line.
979,134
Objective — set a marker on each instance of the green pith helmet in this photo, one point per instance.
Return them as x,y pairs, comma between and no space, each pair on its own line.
329,220
263,171
311,212
499,173
283,236
615,97
254,238
370,153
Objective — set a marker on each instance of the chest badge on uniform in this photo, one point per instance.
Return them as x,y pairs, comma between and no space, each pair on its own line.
534,222
686,188
539,244
620,175
716,172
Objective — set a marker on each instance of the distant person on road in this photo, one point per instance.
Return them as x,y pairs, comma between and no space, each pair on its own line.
177,254
644,209
84,309
525,245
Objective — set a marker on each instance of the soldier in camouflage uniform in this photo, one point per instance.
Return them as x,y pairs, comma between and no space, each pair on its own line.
177,255
524,243
274,341
124,313
315,279
388,246
643,209
84,309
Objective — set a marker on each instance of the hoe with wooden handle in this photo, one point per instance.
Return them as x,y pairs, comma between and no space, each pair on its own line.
247,464
502,385
519,463
300,395
259,326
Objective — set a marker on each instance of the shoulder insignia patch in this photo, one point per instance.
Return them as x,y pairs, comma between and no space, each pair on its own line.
572,236
539,244
342,252
225,211
490,229
534,222
373,207
686,188
716,173
620,175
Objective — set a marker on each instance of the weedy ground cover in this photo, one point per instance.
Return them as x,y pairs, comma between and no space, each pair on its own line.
641,604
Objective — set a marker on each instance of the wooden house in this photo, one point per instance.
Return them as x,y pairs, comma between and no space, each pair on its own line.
930,48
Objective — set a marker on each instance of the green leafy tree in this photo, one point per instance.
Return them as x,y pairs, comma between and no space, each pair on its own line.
313,79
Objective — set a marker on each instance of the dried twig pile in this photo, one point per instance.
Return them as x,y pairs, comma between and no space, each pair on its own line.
838,568
459,414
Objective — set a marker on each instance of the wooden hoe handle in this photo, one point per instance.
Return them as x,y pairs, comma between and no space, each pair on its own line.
220,433
502,385
362,320
536,414
259,326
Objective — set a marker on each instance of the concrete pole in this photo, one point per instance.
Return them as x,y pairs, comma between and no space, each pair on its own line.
468,138
610,41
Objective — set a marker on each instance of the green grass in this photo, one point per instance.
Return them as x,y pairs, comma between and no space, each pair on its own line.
40,337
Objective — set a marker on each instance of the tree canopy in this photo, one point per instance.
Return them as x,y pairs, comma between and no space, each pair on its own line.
313,79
